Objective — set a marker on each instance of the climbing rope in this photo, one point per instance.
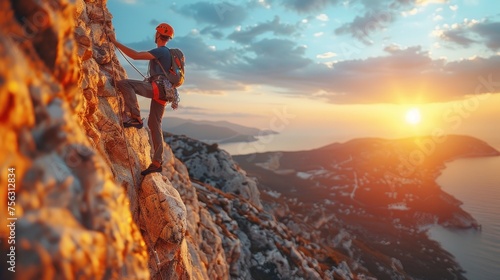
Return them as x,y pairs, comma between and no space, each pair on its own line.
133,66
123,129
116,94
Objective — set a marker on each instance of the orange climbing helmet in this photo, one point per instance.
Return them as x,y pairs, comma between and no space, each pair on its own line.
165,29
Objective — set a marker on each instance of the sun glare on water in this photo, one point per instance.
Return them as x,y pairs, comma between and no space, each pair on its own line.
413,116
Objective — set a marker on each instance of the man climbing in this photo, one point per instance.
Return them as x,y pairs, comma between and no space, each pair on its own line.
129,89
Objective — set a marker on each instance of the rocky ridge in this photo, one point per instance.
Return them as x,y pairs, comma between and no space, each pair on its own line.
83,210
257,245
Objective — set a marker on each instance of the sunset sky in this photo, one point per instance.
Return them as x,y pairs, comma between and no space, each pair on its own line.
334,69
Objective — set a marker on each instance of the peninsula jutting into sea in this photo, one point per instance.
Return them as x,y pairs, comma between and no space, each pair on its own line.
370,198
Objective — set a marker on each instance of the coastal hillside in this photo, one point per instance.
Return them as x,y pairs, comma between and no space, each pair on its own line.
372,199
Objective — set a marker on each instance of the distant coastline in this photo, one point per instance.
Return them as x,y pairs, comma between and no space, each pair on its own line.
210,132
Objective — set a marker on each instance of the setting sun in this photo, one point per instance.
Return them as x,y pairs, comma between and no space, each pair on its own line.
413,116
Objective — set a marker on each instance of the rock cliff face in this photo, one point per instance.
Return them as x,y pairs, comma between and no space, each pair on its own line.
73,218
82,209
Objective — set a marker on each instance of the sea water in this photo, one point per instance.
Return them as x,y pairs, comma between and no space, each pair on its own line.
475,182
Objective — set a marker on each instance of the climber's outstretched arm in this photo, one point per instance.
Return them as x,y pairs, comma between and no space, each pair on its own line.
131,52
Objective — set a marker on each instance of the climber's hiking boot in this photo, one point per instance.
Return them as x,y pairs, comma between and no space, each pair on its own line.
133,123
151,169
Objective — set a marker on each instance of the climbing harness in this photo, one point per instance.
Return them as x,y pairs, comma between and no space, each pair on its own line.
123,130
164,92
157,88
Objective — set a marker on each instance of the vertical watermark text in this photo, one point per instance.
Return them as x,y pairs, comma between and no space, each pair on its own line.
11,219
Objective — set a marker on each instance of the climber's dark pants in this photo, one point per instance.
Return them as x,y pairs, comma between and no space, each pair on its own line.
129,89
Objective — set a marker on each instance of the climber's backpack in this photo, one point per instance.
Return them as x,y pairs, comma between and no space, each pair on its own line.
163,91
175,74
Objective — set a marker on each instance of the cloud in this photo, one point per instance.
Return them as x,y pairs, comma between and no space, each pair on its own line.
268,61
403,76
427,2
134,2
457,36
144,45
322,17
490,32
437,18
212,31
222,14
379,15
312,6
485,32
326,55
154,22
204,64
362,27
130,2
274,26
201,56
308,6
411,12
